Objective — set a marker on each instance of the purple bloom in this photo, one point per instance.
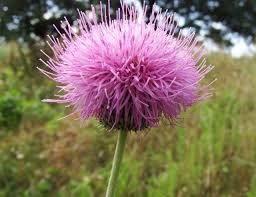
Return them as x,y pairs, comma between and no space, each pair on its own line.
125,72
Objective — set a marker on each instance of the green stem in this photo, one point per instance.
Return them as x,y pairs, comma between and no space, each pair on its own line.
122,134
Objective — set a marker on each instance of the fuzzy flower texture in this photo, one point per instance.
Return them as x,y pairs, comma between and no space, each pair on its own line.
126,72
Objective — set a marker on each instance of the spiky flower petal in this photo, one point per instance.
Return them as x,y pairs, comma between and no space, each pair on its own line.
126,72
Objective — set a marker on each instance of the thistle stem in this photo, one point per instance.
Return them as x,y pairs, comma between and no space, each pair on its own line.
112,183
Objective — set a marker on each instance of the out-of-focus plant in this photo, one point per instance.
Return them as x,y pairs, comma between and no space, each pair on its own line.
31,21
10,111
20,93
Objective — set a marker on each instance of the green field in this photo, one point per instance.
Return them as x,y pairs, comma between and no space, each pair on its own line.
212,153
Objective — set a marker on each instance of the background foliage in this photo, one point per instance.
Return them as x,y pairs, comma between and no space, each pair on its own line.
32,20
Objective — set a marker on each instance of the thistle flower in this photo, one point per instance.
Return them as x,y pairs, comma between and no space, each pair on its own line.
125,72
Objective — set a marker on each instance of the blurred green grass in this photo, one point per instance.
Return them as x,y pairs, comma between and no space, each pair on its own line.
213,153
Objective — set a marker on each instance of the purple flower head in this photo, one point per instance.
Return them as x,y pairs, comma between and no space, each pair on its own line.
125,72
